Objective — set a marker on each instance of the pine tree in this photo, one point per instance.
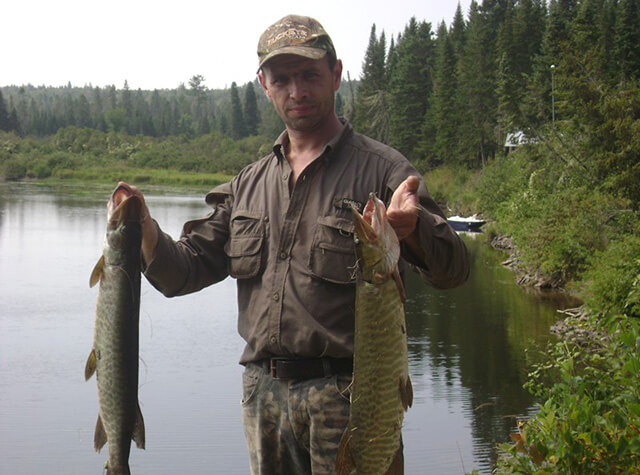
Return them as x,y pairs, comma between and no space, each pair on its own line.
477,101
507,80
83,112
4,115
126,104
627,38
372,109
97,110
410,87
250,111
238,127
458,33
439,137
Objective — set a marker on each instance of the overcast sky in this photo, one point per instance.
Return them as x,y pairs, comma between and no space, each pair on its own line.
160,44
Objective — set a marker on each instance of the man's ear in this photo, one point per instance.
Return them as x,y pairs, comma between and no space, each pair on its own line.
337,75
263,83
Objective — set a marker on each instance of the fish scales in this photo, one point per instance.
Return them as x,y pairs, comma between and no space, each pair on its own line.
381,390
114,357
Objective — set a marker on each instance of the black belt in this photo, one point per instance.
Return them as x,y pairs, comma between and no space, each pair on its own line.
296,368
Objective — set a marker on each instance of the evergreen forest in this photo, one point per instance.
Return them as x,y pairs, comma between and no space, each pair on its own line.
525,111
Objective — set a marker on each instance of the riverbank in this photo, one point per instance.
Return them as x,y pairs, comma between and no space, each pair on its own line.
561,230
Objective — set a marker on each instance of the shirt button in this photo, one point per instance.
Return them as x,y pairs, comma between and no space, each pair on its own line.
276,297
273,339
283,255
284,176
266,219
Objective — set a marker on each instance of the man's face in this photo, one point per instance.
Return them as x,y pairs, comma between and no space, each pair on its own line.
301,90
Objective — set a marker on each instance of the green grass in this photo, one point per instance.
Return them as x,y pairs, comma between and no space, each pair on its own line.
140,176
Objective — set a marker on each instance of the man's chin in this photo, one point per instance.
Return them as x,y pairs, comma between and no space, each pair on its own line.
302,124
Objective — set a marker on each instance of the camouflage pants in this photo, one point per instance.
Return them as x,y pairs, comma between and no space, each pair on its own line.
293,427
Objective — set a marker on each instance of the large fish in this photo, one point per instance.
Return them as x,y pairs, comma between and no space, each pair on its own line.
114,357
381,389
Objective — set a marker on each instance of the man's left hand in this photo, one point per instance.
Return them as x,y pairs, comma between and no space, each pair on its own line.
403,208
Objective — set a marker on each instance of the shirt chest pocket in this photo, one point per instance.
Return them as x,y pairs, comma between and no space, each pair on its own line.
245,245
332,255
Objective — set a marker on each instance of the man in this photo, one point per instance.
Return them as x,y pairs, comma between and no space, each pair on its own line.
283,228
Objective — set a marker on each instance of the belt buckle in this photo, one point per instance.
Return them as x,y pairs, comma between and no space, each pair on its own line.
273,366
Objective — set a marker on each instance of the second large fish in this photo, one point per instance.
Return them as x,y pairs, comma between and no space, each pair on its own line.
381,389
114,357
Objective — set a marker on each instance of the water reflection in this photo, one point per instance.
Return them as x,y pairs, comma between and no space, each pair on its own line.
467,351
471,343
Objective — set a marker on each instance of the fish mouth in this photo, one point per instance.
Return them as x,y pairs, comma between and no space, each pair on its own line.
369,224
124,206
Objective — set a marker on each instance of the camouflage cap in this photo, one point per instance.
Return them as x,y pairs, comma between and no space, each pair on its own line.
293,34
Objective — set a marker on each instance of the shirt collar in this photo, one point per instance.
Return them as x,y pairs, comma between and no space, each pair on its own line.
334,144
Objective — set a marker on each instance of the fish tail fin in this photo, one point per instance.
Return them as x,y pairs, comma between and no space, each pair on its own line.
138,430
100,435
397,465
345,464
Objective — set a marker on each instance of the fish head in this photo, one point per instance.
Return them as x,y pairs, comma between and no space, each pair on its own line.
124,218
123,206
377,244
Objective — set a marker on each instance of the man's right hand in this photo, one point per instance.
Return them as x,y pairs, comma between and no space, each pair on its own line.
149,229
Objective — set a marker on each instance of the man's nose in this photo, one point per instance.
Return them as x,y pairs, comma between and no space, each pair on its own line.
297,89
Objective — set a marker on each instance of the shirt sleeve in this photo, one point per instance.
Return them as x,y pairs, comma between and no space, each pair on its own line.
197,259
446,262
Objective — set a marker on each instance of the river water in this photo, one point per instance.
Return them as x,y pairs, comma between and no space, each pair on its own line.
466,349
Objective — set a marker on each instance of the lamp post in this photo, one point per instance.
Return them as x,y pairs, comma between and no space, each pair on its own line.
553,99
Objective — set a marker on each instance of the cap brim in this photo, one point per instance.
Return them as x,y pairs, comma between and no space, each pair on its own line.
304,51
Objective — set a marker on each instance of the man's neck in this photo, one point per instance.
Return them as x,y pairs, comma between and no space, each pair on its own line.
304,147
303,143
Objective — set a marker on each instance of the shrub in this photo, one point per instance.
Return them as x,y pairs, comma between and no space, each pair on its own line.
590,421
14,170
613,277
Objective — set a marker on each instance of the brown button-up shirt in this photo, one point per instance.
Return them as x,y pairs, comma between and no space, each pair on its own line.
292,250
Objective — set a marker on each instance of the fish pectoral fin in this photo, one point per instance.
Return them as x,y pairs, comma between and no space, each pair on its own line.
138,430
100,435
96,274
345,464
90,367
406,392
397,464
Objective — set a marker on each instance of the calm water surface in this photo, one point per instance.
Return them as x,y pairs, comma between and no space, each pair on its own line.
466,349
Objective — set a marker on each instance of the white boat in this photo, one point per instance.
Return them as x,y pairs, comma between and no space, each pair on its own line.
471,223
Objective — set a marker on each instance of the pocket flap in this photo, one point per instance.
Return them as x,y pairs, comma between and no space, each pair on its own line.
343,225
244,246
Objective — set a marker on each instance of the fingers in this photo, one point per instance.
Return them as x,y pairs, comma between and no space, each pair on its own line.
403,208
411,184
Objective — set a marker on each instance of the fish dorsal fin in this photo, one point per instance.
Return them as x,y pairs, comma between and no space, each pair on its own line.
138,430
96,275
90,367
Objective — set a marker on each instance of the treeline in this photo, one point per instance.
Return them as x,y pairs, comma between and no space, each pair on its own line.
452,96
449,96
192,110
